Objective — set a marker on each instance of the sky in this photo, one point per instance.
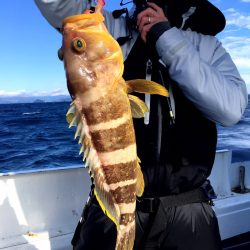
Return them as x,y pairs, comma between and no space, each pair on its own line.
29,65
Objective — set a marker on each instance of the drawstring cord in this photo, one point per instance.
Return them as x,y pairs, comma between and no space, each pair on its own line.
147,96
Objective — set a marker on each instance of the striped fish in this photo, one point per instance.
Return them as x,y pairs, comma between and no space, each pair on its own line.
102,111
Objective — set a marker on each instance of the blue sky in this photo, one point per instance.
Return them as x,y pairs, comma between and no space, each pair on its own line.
28,49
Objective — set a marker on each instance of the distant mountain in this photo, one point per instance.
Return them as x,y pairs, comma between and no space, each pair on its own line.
38,101
31,99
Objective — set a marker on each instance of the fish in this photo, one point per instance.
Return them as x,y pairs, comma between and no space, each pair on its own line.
102,110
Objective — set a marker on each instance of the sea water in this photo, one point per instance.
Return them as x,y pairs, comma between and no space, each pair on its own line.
36,136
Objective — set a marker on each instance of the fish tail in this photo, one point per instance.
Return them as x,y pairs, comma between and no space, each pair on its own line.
125,237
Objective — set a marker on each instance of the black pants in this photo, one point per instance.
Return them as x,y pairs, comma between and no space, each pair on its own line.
188,227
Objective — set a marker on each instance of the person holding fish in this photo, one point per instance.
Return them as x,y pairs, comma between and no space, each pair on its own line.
172,60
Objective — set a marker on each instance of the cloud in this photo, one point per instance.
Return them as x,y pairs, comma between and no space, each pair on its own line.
242,62
239,49
55,92
236,18
245,1
246,78
13,93
24,93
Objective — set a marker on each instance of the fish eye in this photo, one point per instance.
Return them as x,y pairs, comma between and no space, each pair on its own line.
78,44
60,54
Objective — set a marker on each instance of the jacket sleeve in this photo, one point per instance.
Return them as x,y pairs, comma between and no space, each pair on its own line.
56,10
205,73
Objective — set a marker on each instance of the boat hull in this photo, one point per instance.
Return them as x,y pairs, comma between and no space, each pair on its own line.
40,209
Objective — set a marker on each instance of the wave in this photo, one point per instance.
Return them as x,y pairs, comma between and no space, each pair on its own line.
31,113
36,136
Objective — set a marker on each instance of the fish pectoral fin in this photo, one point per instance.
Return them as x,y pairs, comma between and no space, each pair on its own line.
140,184
71,115
146,87
138,107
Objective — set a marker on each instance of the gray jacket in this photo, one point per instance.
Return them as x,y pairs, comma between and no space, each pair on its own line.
198,63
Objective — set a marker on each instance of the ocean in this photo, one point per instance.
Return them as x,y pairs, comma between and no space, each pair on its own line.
36,136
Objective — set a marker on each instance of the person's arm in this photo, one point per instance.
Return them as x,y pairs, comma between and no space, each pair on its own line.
206,74
199,65
56,10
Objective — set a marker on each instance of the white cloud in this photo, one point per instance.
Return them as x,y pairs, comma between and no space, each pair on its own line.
59,91
236,18
245,1
24,93
246,78
239,49
13,93
242,62
248,88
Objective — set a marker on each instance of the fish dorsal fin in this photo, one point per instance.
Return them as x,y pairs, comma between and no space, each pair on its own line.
75,118
138,107
140,180
146,87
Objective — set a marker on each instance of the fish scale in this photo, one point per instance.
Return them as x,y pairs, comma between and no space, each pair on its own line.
102,109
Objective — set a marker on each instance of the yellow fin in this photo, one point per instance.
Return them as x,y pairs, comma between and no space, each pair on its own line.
146,87
138,107
71,114
105,198
140,180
